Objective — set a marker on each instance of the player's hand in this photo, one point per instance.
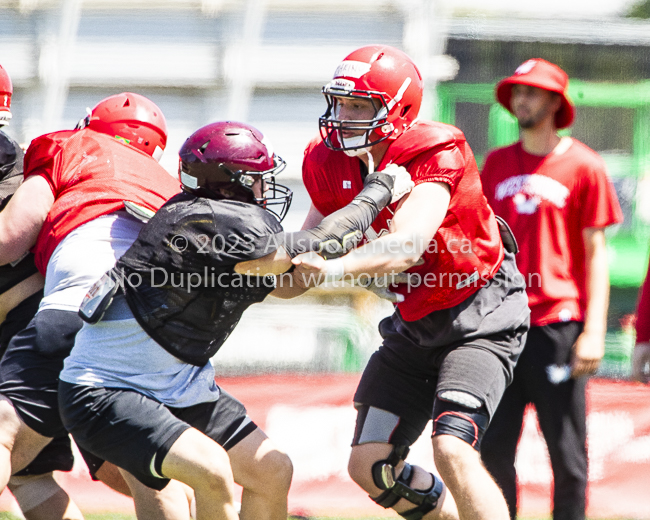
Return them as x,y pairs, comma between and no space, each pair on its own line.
641,362
588,350
310,270
402,183
381,287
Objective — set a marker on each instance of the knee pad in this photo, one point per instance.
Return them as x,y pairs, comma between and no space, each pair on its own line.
461,415
32,490
383,474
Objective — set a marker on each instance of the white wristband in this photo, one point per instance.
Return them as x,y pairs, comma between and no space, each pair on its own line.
334,270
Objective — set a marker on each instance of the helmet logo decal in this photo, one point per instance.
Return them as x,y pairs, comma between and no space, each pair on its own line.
352,69
123,139
340,84
525,67
347,185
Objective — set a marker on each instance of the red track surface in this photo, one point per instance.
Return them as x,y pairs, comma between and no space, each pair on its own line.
619,422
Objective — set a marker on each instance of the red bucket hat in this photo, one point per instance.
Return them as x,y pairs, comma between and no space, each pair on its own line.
542,74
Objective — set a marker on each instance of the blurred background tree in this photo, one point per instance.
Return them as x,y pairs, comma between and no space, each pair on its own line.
640,10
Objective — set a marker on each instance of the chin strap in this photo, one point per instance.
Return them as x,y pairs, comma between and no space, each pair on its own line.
371,162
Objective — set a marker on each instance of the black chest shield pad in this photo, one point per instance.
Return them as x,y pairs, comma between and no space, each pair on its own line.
179,278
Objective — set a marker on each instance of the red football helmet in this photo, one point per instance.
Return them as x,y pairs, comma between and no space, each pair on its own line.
222,161
384,75
6,90
130,118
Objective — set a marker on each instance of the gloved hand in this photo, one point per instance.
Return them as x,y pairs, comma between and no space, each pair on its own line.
641,362
402,181
381,286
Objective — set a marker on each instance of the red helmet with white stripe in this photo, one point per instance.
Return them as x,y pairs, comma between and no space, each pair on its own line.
379,73
6,90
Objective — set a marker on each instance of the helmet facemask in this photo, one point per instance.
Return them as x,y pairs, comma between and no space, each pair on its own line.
221,181
375,130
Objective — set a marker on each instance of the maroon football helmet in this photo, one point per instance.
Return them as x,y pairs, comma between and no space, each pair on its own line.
223,160
6,90
379,73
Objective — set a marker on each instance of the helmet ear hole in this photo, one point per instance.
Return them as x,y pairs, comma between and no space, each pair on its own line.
405,110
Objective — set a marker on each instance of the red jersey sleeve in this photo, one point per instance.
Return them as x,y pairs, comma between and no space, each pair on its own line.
438,165
596,198
43,158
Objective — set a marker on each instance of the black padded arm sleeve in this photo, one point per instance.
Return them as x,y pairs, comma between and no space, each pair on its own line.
341,231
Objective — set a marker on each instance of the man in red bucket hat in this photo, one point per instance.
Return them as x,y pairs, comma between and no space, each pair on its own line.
555,194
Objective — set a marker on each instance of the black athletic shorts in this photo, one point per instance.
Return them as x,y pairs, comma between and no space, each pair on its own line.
136,432
29,370
472,347
57,455
18,318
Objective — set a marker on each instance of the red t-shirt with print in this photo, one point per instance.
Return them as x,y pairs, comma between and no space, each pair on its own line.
548,201
465,252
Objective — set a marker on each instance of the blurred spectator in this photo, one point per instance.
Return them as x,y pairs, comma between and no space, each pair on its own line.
554,193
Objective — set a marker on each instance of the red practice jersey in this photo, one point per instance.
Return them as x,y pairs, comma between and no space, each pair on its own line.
465,252
548,201
91,174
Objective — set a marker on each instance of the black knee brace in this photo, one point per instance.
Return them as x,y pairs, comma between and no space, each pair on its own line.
383,474
468,424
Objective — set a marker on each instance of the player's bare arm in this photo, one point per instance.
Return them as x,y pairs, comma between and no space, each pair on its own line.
589,348
22,219
415,223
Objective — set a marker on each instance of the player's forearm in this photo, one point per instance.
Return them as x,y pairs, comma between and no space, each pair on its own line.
390,254
341,231
287,287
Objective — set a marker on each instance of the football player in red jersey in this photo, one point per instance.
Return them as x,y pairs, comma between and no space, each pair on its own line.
451,345
554,193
